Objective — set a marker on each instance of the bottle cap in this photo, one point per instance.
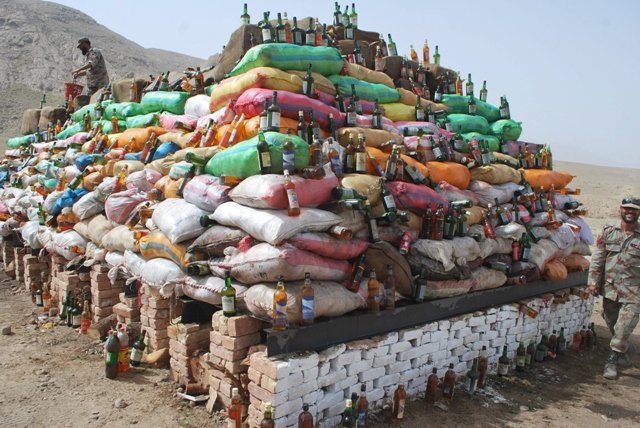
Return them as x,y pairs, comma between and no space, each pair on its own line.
349,403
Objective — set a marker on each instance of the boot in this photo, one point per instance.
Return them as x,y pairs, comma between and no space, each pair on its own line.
610,367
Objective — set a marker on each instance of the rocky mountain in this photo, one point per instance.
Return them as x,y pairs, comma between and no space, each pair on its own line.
38,52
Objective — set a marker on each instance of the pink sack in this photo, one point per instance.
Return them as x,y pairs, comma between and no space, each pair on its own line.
143,180
414,197
267,191
429,128
221,116
206,192
118,206
366,121
452,193
168,120
78,138
251,104
3,208
326,245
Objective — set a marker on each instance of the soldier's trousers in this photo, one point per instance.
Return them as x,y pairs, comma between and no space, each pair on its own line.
621,318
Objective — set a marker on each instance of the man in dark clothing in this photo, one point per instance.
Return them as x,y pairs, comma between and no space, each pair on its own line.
94,68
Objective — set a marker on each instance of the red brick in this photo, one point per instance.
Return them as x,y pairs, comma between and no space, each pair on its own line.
243,325
158,334
226,354
187,350
102,312
158,313
158,324
105,294
158,303
241,342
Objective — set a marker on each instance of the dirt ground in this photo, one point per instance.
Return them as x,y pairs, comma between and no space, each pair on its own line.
55,377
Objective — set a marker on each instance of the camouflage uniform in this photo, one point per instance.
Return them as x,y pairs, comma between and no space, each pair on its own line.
615,269
97,76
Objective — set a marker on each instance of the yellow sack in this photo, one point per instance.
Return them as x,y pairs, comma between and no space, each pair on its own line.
163,166
399,112
371,76
173,136
452,172
496,174
372,137
411,99
364,184
157,245
206,152
414,222
319,81
134,166
475,215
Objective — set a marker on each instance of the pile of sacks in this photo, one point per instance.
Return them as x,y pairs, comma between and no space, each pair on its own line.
145,190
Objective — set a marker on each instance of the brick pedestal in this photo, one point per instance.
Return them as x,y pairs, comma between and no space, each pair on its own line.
18,260
154,316
184,341
104,294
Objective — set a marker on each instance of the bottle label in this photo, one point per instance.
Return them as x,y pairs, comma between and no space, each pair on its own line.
419,115
292,196
280,317
84,325
112,358
351,161
39,300
362,419
265,157
503,369
123,356
389,297
282,35
374,236
308,308
351,118
377,121
297,37
521,360
264,122
389,203
76,321
228,304
136,355
422,289
275,121
307,88
400,414
437,153
361,162
266,34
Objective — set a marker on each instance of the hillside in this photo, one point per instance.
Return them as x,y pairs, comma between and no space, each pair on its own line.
38,52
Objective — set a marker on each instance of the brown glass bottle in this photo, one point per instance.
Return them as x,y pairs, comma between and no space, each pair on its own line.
433,385
399,401
373,289
362,408
449,384
305,419
483,367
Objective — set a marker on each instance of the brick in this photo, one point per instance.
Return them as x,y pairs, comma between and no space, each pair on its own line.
357,367
399,347
158,334
410,353
103,286
299,390
387,339
275,369
471,338
226,354
158,324
333,377
187,349
457,325
158,303
310,374
398,367
306,361
368,354
241,342
265,396
343,384
102,312
254,375
243,325
330,399
331,352
438,336
122,310
371,374
347,357
429,348
383,360
158,313
387,380
410,334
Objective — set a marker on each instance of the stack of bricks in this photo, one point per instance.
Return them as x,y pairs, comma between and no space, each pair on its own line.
18,260
184,341
57,264
33,270
69,282
325,379
231,339
7,256
104,294
127,309
155,318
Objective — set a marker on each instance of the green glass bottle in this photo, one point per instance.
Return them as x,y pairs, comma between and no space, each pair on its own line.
228,295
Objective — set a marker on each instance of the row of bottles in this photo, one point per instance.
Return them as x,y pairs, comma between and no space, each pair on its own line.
117,356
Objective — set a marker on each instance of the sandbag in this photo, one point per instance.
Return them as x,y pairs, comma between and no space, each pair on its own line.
207,152
411,99
170,120
363,73
507,129
331,300
207,289
538,178
366,185
198,105
454,173
67,199
122,88
142,180
565,236
252,127
326,245
492,141
450,288
17,142
120,238
30,121
399,112
463,123
460,104
372,137
381,158
124,110
264,262
163,274
157,245
274,226
214,240
29,234
381,254
435,270
576,263
142,121
69,244
88,206
119,206
267,191
285,56
137,137
97,228
487,194
486,279
447,251
172,102
542,252
414,197
475,215
322,85
206,192
366,90
241,160
496,174
178,219
555,271
452,193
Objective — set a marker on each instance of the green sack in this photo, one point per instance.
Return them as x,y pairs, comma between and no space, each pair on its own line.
286,56
78,115
209,89
17,142
241,160
508,129
366,91
69,131
494,142
157,101
463,123
124,110
460,104
142,121
107,126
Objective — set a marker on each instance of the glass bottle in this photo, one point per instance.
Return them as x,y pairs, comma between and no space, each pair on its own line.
307,302
361,156
372,224
267,419
438,227
399,401
531,352
552,350
280,306
433,385
112,350
427,222
266,29
469,86
419,115
297,33
281,34
541,349
473,377
228,297
38,296
292,196
138,349
310,35
449,384
264,155
373,292
436,57
234,412
505,112
305,419
503,363
376,117
421,287
483,367
273,114
483,92
245,18
561,347
308,86
521,356
390,289
288,156
348,417
362,408
46,295
85,321
391,47
315,151
425,52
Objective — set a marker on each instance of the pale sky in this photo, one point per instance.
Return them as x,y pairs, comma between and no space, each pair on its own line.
568,68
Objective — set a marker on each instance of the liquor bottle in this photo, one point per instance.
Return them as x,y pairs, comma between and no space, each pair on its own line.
541,349
307,302
310,35
372,224
390,167
264,155
266,29
376,117
357,53
373,292
351,117
449,383
389,289
450,224
228,297
427,222
501,213
38,296
462,227
281,35
458,84
472,106
399,401
552,350
361,156
354,16
73,319
46,295
292,196
530,356
297,33
425,52
561,347
355,98
433,385
473,377
421,287
273,114
505,113
575,342
64,307
264,116
288,156
438,226
419,115
85,318
583,337
234,412
337,16
245,18
436,57
280,306
315,151
267,419
388,202
123,355
305,419
138,349
503,363
483,367
591,335
469,86
112,350
391,46
362,408
483,91
308,86
521,357
348,417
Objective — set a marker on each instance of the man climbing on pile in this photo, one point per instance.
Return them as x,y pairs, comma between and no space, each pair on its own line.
94,68
615,273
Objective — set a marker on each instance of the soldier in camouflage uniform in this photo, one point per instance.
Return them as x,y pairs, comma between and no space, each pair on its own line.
95,68
615,273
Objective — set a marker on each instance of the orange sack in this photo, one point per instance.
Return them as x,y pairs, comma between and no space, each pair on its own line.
538,178
453,173
140,137
382,157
